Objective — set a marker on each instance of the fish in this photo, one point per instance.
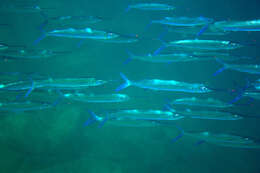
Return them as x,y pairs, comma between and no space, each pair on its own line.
135,117
23,106
150,7
164,85
100,98
219,55
246,68
3,46
85,33
251,94
209,115
204,45
248,25
22,8
184,21
224,139
187,31
52,83
29,53
163,58
199,102
72,20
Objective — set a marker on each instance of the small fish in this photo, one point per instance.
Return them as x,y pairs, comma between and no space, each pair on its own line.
23,106
3,47
101,98
249,25
163,58
86,33
151,7
251,94
164,85
209,115
22,8
247,68
135,117
184,21
225,140
219,55
204,45
29,53
199,102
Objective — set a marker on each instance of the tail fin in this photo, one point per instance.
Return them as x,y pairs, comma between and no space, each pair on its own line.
180,135
92,119
126,84
128,8
30,89
225,66
130,57
39,38
202,30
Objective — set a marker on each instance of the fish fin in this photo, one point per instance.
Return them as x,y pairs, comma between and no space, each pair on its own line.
180,135
126,83
128,9
103,122
225,66
199,142
202,30
93,118
39,39
30,89
130,57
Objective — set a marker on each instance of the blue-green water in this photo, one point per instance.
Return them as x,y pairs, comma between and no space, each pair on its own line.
56,140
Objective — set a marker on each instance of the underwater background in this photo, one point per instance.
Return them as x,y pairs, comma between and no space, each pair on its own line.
56,140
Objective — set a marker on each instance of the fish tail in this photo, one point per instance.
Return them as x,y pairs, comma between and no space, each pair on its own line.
127,9
126,83
225,66
103,122
93,118
180,135
202,30
39,38
130,57
30,89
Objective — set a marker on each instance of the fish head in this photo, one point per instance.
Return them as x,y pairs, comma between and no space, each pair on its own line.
204,89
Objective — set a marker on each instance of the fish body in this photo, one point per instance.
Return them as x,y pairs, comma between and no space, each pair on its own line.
164,58
209,115
225,140
219,55
250,25
206,45
137,118
3,47
164,85
198,102
254,95
23,106
73,20
151,7
86,33
27,54
71,83
184,21
101,98
246,68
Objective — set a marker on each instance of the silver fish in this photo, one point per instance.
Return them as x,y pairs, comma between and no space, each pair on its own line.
250,25
204,45
151,7
184,21
199,102
100,98
164,85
